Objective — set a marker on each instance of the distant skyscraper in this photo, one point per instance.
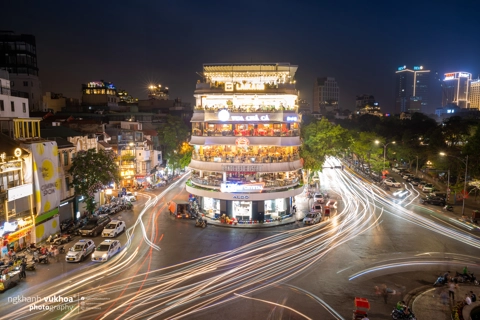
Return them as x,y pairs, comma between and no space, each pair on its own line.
411,89
475,94
456,89
18,55
325,95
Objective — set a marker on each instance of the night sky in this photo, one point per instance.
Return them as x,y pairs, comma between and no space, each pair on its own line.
133,44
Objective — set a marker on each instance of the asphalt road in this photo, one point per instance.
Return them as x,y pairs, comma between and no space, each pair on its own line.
312,272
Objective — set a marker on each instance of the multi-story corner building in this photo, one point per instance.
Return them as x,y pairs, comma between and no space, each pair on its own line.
411,89
100,95
475,94
16,212
326,95
456,89
246,139
13,104
18,55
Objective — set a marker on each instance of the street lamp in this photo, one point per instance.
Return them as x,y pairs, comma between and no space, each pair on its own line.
465,162
384,150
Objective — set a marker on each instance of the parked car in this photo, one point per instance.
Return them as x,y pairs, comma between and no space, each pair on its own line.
396,169
442,195
421,184
80,250
428,187
317,207
312,218
433,200
415,181
130,197
114,228
392,183
95,226
407,176
319,197
106,250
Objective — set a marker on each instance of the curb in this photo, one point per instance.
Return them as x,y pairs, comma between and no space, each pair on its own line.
410,297
221,225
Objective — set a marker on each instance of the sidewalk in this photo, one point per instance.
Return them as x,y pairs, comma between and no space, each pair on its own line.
427,304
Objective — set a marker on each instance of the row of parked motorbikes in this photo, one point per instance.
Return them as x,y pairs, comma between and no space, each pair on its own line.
458,278
403,313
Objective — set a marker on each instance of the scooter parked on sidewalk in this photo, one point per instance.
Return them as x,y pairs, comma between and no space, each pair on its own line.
448,208
201,222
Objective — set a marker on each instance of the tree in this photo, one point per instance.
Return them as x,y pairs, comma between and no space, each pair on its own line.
322,139
93,171
173,136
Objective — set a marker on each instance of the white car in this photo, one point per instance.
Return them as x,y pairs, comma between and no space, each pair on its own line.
428,188
130,197
396,169
106,250
318,197
80,250
114,228
392,183
312,218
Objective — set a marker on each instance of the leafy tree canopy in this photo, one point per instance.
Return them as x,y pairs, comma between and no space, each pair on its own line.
173,136
93,171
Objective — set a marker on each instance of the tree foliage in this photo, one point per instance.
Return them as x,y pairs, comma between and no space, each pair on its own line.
173,136
93,171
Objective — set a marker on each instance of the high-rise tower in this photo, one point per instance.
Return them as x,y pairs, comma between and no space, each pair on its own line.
18,55
325,95
411,89
456,89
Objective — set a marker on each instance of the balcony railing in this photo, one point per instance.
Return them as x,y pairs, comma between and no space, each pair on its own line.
247,133
246,108
245,159
277,183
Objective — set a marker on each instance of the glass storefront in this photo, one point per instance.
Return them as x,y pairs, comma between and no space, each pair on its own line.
211,206
242,210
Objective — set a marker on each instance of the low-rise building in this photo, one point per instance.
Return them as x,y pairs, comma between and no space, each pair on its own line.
13,104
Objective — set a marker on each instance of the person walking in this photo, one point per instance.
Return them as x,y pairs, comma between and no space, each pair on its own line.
23,266
451,290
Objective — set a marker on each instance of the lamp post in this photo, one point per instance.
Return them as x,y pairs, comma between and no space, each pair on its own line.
384,150
465,162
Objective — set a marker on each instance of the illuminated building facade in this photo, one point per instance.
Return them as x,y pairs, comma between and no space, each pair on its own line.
475,94
411,89
456,89
246,138
325,95
12,103
100,94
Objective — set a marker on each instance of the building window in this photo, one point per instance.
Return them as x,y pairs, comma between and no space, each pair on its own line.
2,105
12,84
12,106
65,158
67,183
25,83
24,106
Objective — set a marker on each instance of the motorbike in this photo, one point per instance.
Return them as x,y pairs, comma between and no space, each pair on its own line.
401,314
30,265
66,224
201,222
51,238
61,249
466,278
63,239
440,281
43,259
448,208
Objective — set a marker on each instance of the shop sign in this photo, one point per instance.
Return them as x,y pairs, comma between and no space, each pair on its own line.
250,86
449,76
250,118
250,187
10,166
20,191
12,237
292,118
242,142
464,75
241,197
241,168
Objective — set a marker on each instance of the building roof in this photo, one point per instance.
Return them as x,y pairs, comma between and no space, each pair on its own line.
62,143
60,132
9,145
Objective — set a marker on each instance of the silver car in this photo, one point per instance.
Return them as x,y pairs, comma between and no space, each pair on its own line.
80,250
312,218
